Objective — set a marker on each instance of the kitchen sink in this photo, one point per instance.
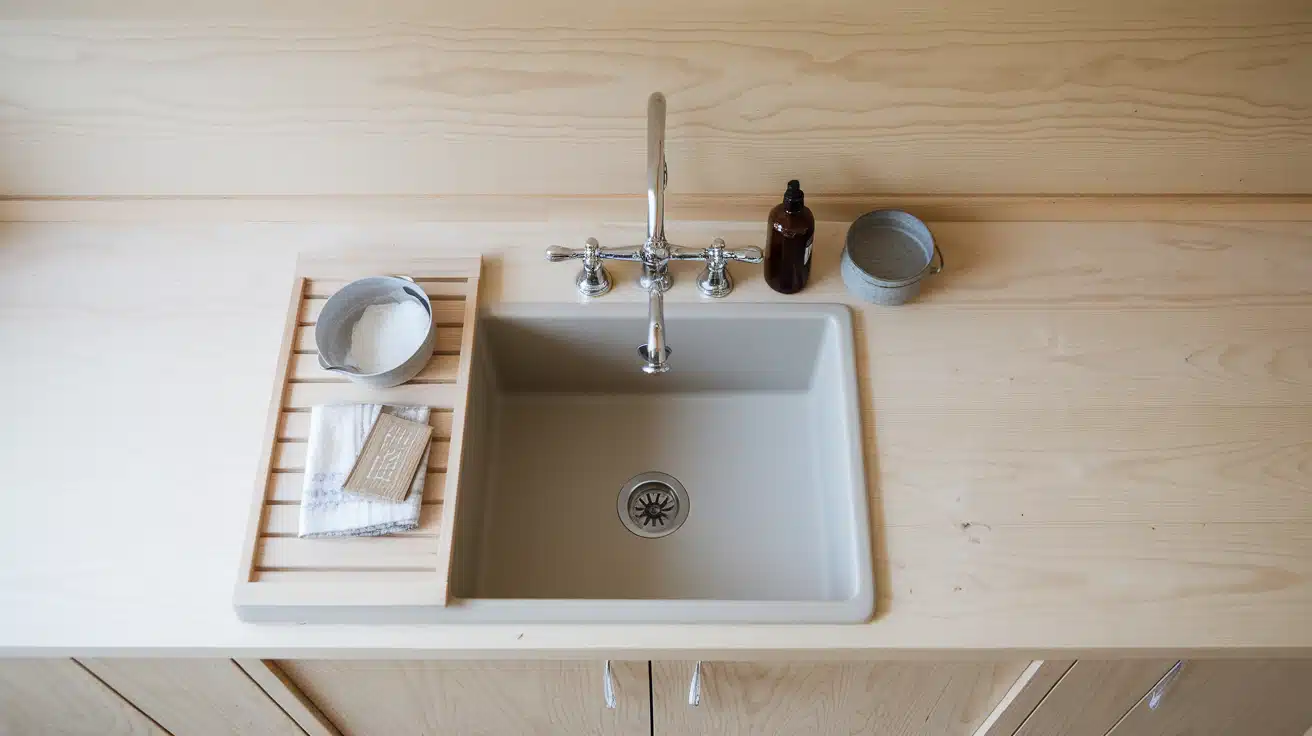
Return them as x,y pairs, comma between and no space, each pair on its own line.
730,489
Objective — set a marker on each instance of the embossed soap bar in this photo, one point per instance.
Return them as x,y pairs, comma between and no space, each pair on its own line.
390,456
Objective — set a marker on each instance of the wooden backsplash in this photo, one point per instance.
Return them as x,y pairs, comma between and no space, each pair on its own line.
529,97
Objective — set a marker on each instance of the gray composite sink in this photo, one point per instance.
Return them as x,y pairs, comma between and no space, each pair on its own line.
757,424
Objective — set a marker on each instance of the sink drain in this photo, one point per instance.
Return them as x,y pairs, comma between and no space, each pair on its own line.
653,505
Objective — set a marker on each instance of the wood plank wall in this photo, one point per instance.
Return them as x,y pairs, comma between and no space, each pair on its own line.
529,97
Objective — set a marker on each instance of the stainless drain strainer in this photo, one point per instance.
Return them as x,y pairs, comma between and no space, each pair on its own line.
653,504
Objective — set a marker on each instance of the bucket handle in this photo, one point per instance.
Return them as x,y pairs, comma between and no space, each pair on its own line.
941,263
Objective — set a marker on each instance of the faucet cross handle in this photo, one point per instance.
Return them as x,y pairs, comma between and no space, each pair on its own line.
594,279
715,280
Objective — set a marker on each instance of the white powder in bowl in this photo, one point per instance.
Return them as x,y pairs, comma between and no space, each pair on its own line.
386,335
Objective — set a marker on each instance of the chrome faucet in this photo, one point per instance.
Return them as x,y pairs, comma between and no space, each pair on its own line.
656,252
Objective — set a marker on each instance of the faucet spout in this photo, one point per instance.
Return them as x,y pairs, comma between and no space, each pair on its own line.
655,354
656,173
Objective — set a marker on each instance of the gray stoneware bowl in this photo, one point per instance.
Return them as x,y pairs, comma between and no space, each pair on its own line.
332,332
886,255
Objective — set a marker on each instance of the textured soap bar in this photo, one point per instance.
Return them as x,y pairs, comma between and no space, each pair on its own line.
391,454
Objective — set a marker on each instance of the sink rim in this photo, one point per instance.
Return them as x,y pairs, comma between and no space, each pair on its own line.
858,608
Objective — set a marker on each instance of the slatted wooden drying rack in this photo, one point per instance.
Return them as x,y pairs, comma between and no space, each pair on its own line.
286,578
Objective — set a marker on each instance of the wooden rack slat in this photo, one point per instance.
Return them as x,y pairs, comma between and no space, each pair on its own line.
435,395
291,455
296,425
286,487
291,553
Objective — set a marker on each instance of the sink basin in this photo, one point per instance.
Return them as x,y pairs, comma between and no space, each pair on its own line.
757,509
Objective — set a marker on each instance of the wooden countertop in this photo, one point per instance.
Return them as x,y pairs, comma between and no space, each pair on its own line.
1086,438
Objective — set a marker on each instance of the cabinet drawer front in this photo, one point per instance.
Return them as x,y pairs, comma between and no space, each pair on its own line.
884,698
1092,696
1221,697
60,696
363,698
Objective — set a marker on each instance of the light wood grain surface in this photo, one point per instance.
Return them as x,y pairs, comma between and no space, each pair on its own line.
1085,439
1092,696
390,209
1024,695
1209,698
874,699
363,698
288,696
197,697
518,97
60,697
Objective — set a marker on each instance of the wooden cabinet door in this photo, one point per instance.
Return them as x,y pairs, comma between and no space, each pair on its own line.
1090,697
1223,697
195,697
59,696
883,698
450,697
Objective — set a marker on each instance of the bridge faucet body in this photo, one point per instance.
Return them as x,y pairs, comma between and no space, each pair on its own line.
657,177
655,276
656,252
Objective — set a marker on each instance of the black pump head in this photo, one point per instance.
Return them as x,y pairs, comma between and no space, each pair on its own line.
794,197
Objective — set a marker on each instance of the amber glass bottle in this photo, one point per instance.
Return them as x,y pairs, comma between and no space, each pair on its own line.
789,233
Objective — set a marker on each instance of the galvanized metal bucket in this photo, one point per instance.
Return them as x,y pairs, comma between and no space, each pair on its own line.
886,255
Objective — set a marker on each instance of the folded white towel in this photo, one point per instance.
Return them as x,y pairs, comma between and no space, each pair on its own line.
337,434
